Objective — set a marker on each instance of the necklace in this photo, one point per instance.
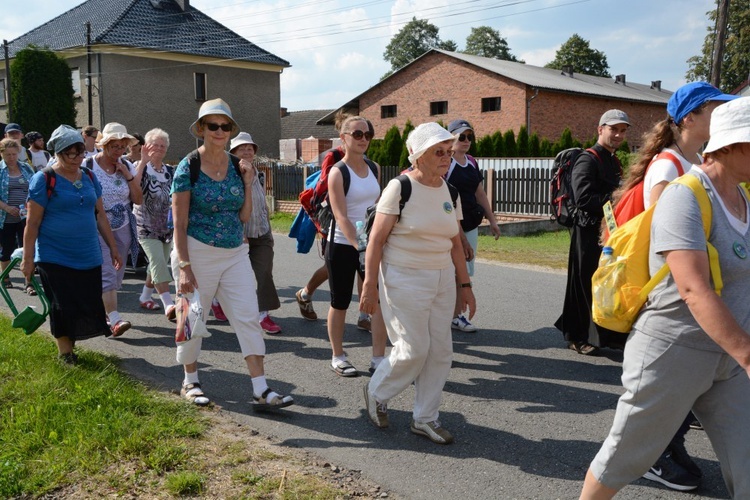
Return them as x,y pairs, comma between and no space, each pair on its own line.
738,205
680,150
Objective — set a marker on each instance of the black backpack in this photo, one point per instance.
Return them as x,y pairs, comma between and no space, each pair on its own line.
562,204
194,162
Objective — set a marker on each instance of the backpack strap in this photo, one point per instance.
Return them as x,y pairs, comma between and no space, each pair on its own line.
194,163
50,179
405,182
666,155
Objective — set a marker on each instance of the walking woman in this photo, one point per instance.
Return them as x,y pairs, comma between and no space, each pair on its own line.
415,259
120,190
342,249
151,215
210,206
14,189
69,262
689,347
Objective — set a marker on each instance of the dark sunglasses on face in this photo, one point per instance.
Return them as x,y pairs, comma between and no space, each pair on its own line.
358,135
466,137
213,127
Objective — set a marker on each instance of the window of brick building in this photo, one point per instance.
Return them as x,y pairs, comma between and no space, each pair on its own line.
200,86
3,100
439,108
490,104
388,111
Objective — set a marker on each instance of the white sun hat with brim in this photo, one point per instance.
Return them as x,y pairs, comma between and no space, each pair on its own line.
214,107
730,124
424,137
242,138
114,132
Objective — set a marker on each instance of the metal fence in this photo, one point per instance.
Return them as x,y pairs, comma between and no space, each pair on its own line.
513,185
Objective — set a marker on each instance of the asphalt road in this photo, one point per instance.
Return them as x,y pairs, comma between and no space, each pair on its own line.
527,414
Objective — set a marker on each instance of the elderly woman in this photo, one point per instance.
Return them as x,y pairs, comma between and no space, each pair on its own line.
120,189
418,256
211,201
690,348
69,262
259,236
154,231
14,189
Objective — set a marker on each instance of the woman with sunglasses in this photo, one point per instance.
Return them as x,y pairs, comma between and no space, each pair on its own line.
209,209
465,175
69,262
342,249
417,257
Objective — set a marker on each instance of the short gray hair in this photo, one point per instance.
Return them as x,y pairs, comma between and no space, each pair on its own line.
156,133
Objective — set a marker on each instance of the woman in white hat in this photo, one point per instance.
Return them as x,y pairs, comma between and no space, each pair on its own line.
689,347
120,190
211,202
259,235
418,257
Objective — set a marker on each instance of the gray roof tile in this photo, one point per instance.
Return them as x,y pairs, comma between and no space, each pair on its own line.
302,124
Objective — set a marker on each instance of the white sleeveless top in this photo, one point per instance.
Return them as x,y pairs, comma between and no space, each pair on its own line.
362,193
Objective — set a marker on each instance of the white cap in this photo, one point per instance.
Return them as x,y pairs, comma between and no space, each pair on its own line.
424,137
730,124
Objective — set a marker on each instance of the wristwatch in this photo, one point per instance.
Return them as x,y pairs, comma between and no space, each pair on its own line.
183,264
466,285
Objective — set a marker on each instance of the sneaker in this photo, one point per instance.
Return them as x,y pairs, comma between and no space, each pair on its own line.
364,324
218,312
120,327
461,323
306,307
269,326
171,313
376,412
433,431
681,456
671,474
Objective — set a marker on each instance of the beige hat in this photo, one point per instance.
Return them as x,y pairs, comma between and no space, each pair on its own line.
242,138
114,132
424,137
730,124
214,107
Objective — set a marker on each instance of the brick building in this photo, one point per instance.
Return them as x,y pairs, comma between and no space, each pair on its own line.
500,95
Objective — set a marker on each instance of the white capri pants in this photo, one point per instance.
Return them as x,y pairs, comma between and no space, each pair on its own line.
663,381
417,306
227,274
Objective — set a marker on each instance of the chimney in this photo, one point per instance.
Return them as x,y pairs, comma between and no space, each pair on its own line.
183,4
620,79
284,112
567,70
656,85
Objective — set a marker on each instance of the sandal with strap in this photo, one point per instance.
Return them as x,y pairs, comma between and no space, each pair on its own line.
345,369
194,394
271,400
583,348
150,305
30,290
7,283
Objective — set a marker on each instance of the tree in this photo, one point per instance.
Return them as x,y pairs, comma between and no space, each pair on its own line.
41,90
577,53
735,65
414,39
498,146
392,146
485,148
522,142
509,143
487,42
404,160
535,146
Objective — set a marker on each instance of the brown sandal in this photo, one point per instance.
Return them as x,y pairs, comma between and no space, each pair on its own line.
30,290
583,348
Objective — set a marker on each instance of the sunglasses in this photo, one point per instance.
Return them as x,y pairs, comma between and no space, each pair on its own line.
466,137
442,152
358,135
213,127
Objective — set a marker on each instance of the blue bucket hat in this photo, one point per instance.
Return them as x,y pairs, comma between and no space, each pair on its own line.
63,137
214,107
690,97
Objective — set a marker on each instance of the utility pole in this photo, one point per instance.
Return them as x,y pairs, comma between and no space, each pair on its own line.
89,82
7,81
722,17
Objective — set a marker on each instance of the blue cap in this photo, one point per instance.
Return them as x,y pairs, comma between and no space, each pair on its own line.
63,137
13,126
690,97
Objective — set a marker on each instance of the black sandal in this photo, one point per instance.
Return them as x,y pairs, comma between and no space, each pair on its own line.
583,348
345,369
7,283
30,290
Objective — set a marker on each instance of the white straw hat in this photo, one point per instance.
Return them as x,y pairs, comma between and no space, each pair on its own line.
730,124
114,132
242,138
424,137
214,107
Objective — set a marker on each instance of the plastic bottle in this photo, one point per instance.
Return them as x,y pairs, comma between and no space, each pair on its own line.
361,242
604,292
22,210
170,222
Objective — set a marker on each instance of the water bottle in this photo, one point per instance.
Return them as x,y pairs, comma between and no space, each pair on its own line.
604,292
170,222
22,210
361,242
607,256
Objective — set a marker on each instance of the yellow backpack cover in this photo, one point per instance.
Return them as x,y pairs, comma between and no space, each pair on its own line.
620,288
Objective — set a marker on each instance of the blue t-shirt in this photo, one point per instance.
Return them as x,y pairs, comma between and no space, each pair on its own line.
68,235
214,216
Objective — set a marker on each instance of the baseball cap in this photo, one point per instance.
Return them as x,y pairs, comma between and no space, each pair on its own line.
458,126
13,127
690,97
730,124
613,117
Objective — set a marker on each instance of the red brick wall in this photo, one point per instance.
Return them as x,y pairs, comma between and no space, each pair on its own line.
438,77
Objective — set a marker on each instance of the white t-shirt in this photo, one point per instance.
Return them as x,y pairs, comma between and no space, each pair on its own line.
421,239
660,171
38,159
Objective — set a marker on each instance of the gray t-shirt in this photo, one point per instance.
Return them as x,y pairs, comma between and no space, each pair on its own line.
677,225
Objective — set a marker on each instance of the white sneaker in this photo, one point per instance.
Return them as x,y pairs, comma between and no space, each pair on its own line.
461,323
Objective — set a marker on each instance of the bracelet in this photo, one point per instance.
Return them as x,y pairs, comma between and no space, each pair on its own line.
466,285
128,180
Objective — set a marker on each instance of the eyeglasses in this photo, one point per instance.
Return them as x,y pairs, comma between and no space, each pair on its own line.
74,154
466,137
358,135
442,152
213,127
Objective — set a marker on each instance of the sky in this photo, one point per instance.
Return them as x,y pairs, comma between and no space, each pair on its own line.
335,47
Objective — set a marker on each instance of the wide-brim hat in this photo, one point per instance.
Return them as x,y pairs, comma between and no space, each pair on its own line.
730,124
63,137
242,138
114,132
424,137
691,96
214,107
